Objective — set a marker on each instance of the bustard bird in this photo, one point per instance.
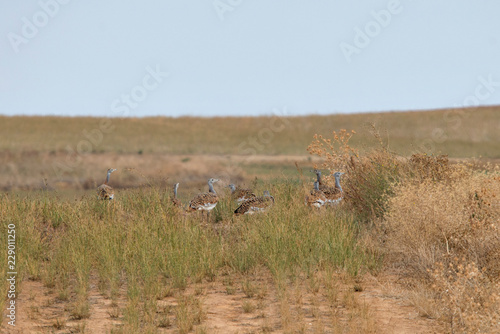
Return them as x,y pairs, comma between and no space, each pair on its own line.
255,204
205,201
333,194
316,198
175,201
340,195
104,191
239,194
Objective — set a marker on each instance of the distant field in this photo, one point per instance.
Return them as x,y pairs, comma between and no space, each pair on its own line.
459,133
61,153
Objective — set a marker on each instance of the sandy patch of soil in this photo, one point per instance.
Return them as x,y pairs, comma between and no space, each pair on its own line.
237,304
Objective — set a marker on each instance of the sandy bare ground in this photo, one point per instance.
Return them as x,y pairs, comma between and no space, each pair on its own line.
38,170
300,308
52,171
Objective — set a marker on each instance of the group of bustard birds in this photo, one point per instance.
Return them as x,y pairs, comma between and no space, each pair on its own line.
249,203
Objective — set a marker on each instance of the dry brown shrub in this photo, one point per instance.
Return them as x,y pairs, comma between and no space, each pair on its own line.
430,167
432,224
422,167
336,151
368,178
469,300
432,213
369,183
430,220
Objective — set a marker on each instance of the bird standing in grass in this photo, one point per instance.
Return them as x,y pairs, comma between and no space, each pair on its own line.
205,201
255,205
340,192
175,201
239,194
316,198
104,191
333,194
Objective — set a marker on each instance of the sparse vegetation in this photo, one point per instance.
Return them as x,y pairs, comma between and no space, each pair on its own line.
139,243
248,307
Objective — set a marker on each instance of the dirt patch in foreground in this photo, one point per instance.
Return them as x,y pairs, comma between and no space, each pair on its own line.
236,304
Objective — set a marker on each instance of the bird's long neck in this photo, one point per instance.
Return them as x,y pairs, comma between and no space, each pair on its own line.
175,192
211,188
337,183
316,186
318,175
107,177
268,195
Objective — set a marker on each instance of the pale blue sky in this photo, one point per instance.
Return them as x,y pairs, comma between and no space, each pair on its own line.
246,57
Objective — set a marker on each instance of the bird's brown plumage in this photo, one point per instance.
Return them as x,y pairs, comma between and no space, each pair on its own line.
256,204
331,193
205,201
316,198
241,194
104,191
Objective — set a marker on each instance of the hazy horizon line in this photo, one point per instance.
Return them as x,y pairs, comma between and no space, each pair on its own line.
260,115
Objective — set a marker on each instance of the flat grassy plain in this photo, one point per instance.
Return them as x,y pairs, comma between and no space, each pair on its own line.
457,132
139,265
74,153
